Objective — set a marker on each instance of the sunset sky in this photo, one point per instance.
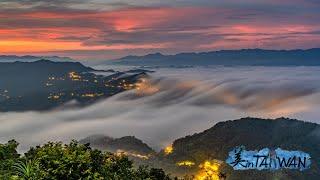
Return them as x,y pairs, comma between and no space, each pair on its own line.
106,29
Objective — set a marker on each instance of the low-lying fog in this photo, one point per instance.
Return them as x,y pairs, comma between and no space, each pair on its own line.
176,103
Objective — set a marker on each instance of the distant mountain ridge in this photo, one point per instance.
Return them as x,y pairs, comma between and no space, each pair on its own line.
243,57
126,143
43,65
28,58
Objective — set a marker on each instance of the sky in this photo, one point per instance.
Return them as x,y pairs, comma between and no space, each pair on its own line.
108,29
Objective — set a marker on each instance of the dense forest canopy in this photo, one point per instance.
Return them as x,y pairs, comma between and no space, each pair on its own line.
70,161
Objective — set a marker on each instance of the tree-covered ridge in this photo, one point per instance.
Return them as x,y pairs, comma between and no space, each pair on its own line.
70,161
255,134
128,144
203,155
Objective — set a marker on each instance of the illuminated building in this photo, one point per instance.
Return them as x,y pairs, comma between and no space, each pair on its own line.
186,163
74,76
168,150
209,170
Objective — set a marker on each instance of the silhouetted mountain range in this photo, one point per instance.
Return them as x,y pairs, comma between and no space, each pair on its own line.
244,57
43,65
44,84
13,58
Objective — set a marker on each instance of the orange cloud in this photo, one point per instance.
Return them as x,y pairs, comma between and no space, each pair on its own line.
14,46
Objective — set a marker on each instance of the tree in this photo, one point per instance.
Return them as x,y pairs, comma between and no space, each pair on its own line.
8,156
71,161
26,169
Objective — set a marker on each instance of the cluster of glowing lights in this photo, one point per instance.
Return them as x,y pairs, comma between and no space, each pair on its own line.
87,95
74,76
124,84
49,84
55,96
92,95
186,163
168,150
51,79
209,170
145,87
120,152
5,94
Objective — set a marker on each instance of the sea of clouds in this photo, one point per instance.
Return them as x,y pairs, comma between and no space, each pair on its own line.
176,102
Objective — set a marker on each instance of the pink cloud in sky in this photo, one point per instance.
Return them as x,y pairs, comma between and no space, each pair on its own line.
136,30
